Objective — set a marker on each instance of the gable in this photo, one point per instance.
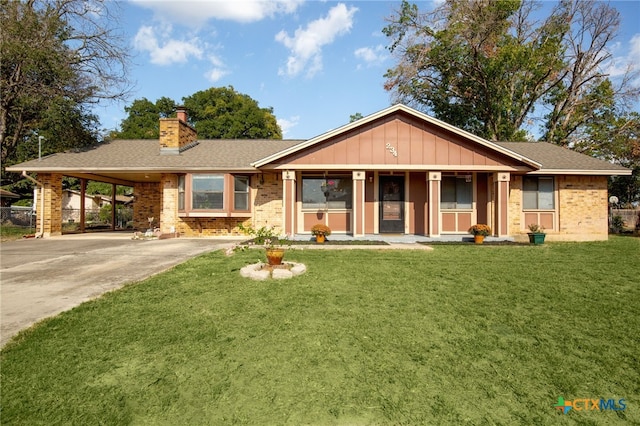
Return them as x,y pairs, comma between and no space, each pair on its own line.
399,140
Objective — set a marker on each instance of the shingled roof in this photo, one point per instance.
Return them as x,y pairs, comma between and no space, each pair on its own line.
144,155
242,155
556,159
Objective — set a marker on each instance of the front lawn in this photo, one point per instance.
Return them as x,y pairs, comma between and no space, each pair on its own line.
463,334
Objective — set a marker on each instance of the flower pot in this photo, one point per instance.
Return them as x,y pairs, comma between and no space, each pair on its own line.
478,239
536,238
320,238
274,256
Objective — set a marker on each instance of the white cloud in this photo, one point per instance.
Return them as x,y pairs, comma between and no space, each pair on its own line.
371,56
634,52
197,12
619,65
218,71
166,51
286,124
306,44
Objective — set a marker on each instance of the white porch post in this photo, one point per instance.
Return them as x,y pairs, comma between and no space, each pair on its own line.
433,196
289,202
502,203
357,220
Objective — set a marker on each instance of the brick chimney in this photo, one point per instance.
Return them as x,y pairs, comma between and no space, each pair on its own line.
176,134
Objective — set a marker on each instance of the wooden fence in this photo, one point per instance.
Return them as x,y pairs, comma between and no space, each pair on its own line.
630,217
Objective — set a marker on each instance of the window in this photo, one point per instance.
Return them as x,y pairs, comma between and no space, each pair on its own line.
538,193
181,189
456,193
214,195
327,193
241,193
208,192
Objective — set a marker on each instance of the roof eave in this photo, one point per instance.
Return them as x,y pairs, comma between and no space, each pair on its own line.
583,172
244,169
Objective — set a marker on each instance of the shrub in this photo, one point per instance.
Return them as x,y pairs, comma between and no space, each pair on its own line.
480,229
320,229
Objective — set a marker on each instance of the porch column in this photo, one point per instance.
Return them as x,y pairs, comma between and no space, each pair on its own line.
501,180
289,202
52,189
357,220
433,209
168,219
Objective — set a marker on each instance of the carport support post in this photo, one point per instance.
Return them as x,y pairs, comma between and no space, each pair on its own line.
83,192
113,206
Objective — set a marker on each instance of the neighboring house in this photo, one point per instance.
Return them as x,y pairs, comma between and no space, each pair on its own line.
72,203
395,171
7,197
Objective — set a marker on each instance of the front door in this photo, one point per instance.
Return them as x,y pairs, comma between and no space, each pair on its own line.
391,204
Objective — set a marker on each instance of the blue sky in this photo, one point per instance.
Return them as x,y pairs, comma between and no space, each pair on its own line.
314,62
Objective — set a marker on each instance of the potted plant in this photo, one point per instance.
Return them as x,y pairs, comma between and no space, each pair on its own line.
321,232
269,239
536,234
479,231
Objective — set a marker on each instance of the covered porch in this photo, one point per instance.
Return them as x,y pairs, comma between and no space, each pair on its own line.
430,204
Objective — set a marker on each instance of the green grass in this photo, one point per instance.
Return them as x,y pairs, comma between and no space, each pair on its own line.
464,334
11,232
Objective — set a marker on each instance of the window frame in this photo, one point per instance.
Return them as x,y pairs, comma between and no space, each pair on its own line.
185,200
326,204
459,206
215,190
246,193
549,195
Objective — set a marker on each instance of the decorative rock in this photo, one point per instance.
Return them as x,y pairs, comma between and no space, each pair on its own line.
298,268
279,274
260,275
257,271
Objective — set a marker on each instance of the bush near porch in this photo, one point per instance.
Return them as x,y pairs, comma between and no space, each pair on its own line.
461,334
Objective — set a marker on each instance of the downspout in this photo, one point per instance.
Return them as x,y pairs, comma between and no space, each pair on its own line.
24,174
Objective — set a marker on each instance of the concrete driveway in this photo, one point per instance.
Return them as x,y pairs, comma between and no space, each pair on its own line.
41,278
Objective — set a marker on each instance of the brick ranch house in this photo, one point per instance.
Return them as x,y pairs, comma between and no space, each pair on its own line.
395,171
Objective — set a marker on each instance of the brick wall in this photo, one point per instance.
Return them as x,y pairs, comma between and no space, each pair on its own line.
210,226
52,204
148,200
169,212
267,203
582,209
266,194
515,205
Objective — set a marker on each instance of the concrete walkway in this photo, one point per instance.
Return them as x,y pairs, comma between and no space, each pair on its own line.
41,278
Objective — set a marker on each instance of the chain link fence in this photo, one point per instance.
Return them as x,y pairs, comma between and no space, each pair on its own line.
18,216
95,219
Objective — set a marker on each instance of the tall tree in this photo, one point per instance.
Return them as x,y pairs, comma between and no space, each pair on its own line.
142,118
58,56
485,66
223,113
216,113
583,88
